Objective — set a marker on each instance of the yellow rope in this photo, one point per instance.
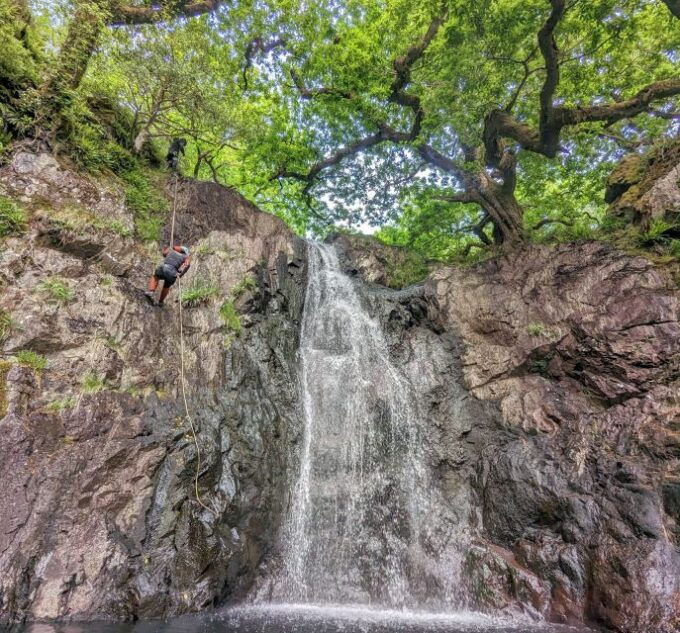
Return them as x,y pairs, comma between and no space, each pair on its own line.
181,358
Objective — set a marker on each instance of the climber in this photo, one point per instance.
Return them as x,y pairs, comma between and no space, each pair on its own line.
176,148
176,263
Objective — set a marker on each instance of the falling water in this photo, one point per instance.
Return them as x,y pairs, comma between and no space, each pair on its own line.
366,524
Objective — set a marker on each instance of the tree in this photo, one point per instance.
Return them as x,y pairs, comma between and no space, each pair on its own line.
83,34
477,88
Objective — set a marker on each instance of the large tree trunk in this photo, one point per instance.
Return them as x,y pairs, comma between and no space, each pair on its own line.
67,72
500,204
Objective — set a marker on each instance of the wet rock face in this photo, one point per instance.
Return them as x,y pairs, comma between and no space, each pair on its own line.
579,347
100,516
551,390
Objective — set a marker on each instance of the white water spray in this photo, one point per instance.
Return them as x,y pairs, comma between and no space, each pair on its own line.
367,525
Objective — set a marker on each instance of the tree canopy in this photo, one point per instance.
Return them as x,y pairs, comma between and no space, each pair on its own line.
451,125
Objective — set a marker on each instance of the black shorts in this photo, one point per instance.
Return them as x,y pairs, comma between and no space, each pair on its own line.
167,275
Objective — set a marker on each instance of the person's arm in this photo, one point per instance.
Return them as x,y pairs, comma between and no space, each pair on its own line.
185,266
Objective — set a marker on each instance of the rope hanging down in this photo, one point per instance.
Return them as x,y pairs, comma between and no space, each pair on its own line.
181,358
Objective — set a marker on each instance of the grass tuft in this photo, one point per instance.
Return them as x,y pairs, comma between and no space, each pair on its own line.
536,329
199,292
205,249
13,218
93,383
231,320
57,290
6,325
29,358
247,284
61,404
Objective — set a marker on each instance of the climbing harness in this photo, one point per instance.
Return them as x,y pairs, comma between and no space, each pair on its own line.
181,358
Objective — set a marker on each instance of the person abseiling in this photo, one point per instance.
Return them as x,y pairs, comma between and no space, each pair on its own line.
176,148
176,263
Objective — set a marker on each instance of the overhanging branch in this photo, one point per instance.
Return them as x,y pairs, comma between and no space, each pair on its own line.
158,12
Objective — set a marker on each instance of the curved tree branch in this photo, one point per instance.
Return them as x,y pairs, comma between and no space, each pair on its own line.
402,66
613,112
501,124
125,14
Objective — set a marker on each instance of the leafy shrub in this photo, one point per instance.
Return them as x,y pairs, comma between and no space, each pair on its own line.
247,284
12,218
106,281
657,229
29,358
405,268
200,291
674,248
56,289
145,200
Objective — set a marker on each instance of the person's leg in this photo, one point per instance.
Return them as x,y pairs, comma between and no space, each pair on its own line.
153,284
164,293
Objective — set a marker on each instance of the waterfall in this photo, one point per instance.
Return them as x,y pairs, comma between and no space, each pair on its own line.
366,526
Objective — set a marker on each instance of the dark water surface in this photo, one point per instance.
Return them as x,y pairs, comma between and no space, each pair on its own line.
310,619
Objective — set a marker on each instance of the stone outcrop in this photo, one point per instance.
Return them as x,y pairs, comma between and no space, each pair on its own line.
99,516
646,187
579,346
563,465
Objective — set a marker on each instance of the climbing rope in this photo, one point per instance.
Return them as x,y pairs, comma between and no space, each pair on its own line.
181,358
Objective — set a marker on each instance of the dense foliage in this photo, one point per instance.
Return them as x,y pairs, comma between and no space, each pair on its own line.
451,125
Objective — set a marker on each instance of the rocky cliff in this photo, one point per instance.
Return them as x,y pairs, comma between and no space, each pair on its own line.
97,456
562,461
549,382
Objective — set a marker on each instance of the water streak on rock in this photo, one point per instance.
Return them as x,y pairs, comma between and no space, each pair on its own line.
364,513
